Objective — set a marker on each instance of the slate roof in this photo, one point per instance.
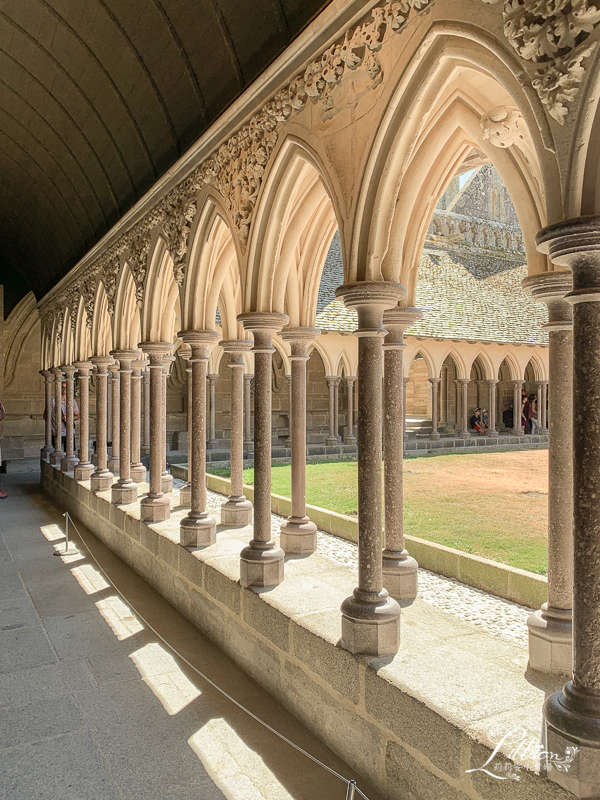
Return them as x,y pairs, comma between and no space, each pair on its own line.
463,295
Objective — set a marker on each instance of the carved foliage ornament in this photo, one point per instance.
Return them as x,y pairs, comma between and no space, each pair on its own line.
551,33
504,126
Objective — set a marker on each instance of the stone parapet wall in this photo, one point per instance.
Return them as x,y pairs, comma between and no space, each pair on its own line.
353,703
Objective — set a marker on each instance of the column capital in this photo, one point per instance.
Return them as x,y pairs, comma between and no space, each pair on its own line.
69,371
462,381
331,379
47,374
575,243
492,381
137,365
248,376
552,288
434,380
518,381
370,299
299,339
156,348
201,342
212,377
83,367
124,355
101,363
263,325
237,345
350,378
396,321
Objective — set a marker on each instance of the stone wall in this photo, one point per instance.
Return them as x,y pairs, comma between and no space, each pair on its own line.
21,386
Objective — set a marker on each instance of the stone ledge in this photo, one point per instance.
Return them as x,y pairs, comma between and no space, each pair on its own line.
410,724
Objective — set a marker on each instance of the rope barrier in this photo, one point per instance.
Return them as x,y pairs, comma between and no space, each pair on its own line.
351,784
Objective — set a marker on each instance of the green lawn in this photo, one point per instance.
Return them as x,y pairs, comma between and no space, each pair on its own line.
489,504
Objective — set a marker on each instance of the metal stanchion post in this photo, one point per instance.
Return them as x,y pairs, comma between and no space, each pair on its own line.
351,788
68,551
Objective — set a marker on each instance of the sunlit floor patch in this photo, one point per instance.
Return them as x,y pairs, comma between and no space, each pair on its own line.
89,578
52,532
120,617
160,671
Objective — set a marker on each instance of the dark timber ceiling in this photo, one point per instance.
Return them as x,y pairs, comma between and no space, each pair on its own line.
99,97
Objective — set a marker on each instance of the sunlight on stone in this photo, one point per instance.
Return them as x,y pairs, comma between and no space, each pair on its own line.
123,623
228,760
89,578
162,674
52,532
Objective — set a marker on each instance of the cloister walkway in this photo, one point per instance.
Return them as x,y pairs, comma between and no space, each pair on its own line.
94,707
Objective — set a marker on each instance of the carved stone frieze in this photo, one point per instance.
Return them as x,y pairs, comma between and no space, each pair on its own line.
108,276
88,292
550,33
139,251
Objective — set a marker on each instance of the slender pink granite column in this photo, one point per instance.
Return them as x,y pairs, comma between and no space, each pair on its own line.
137,470
298,533
550,628
573,714
70,460
261,563
248,440
167,478
198,529
102,479
350,437
84,469
212,442
464,411
155,506
435,389
400,571
146,429
331,440
517,429
57,456
237,510
370,618
47,449
124,491
113,461
185,493
491,431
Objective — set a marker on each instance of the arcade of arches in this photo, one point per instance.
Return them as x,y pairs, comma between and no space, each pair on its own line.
407,227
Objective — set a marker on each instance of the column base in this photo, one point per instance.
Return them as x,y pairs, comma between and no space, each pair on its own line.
400,575
101,481
155,509
298,536
56,457
371,629
137,473
236,511
517,432
350,440
434,437
573,723
262,567
493,434
331,441
550,641
166,483
94,459
68,463
212,444
113,465
185,495
123,493
463,435
46,452
83,472
197,531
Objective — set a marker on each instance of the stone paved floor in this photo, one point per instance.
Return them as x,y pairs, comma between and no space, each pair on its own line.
94,707
495,615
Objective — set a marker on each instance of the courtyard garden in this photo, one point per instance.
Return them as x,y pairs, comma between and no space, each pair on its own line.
488,504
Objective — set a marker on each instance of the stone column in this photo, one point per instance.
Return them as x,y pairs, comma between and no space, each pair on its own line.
464,412
155,506
237,510
137,470
542,394
57,456
146,429
331,440
404,431
167,478
185,493
370,618
248,440
70,460
336,410
102,479
198,529
288,439
84,469
113,461
444,395
47,449
124,491
212,442
517,427
573,714
261,563
435,385
350,437
550,629
298,533
399,569
491,431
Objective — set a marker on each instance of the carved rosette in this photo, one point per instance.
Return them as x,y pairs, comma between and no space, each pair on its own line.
504,126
